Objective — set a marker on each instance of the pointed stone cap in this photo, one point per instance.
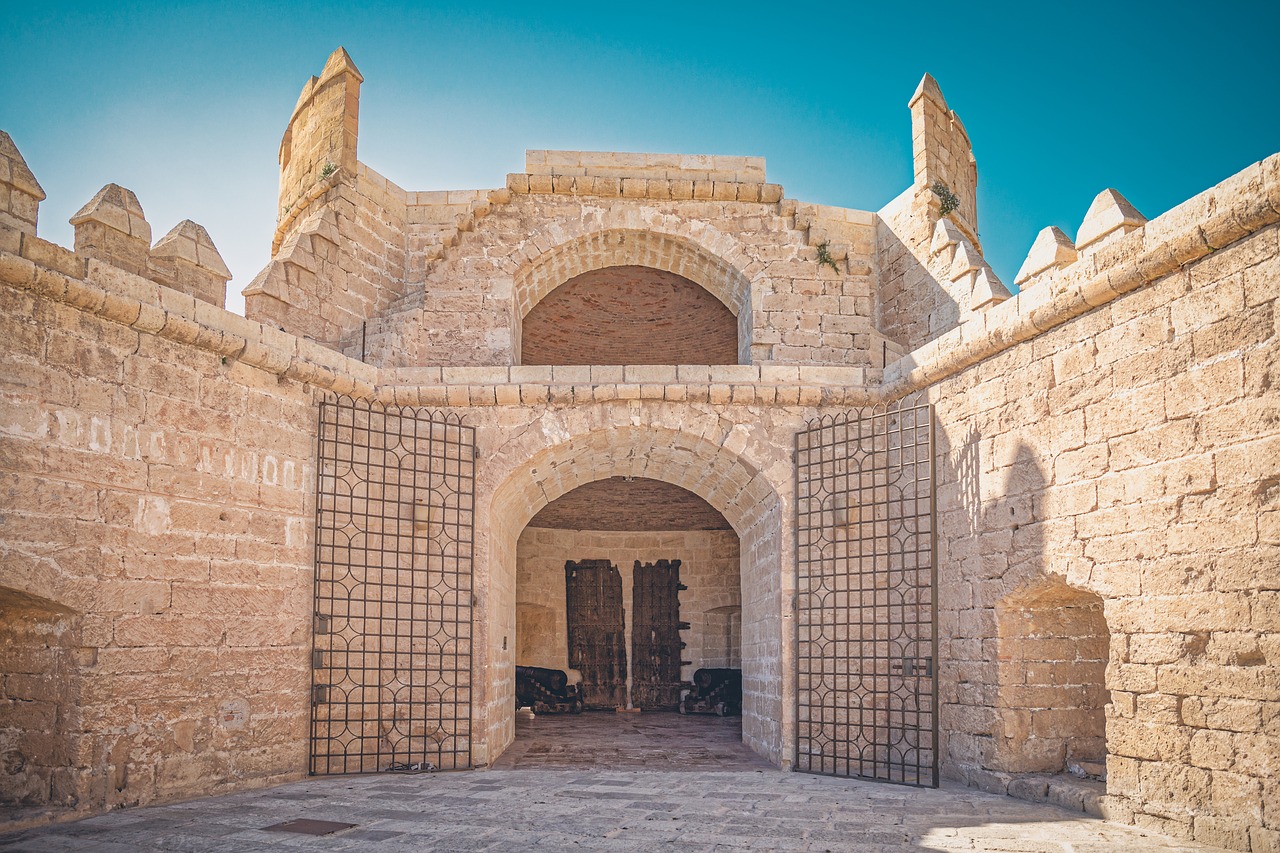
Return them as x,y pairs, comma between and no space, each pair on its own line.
14,170
1051,248
928,88
1109,212
117,208
190,242
988,289
945,234
338,62
966,261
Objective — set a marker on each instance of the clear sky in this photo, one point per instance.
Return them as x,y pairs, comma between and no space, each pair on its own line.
185,103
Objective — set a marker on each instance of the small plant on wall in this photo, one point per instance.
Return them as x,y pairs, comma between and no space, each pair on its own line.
327,169
824,256
949,201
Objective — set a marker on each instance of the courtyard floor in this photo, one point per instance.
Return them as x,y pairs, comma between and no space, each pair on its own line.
601,782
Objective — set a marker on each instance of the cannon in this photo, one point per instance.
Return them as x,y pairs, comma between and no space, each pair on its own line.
546,691
714,691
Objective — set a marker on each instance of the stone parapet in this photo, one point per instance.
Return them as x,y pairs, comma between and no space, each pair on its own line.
617,164
679,189
146,306
1240,205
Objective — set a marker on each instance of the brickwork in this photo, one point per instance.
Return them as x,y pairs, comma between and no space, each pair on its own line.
629,315
39,701
629,504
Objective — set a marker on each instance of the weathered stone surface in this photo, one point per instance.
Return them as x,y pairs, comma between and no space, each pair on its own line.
1106,520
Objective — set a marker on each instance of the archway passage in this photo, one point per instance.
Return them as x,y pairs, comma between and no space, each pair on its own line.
729,481
670,560
629,315
631,586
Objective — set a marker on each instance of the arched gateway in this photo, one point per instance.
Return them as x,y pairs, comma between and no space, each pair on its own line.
207,587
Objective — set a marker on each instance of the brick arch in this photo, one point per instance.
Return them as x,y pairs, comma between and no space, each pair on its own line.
708,258
727,480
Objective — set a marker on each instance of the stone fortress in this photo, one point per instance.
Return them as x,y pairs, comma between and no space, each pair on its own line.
321,536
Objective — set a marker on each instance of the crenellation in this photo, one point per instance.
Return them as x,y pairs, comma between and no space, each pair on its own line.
1109,216
20,192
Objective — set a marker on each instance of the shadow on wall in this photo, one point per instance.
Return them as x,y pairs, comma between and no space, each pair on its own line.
1023,693
40,685
914,307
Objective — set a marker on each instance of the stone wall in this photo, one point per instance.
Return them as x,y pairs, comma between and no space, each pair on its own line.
708,567
1133,458
156,532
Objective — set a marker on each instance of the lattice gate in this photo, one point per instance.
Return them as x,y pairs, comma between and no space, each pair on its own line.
391,667
866,587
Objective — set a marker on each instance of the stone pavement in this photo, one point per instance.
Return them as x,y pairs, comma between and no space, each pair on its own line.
606,810
601,782
651,741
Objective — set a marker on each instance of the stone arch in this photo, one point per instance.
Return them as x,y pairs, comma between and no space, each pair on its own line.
732,484
706,257
1053,648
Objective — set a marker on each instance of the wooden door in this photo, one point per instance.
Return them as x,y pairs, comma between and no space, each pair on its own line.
655,635
597,632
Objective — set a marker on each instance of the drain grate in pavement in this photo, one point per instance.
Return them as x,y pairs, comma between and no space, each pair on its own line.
307,826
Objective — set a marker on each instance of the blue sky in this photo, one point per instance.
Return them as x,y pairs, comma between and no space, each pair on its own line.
185,103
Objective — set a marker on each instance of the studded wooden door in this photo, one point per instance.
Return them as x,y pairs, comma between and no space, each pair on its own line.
655,635
597,632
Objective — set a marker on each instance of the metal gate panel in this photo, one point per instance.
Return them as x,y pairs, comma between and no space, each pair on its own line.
865,595
392,647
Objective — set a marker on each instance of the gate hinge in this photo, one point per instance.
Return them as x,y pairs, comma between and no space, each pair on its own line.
319,694
320,624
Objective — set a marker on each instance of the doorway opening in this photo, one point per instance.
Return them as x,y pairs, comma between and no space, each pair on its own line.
630,586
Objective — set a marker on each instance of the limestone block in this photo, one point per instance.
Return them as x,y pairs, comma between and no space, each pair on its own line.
967,260
1052,249
198,269
988,289
1109,213
945,235
113,228
20,192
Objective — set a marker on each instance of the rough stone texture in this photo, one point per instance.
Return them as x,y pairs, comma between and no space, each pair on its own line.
157,500
1106,479
20,192
1134,459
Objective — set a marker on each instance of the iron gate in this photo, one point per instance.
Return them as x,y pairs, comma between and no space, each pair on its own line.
391,660
865,595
